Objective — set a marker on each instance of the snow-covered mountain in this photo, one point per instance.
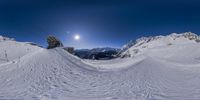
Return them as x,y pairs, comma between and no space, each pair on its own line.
97,53
168,68
135,47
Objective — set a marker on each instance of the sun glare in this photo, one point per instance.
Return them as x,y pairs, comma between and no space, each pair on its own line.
77,37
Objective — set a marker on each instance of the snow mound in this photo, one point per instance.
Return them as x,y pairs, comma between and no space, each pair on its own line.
159,73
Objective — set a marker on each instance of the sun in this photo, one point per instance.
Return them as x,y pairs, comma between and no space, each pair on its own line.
77,37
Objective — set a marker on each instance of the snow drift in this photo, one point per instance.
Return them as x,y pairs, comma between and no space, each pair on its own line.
162,68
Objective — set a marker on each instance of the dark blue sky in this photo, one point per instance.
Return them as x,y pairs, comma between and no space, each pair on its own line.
99,22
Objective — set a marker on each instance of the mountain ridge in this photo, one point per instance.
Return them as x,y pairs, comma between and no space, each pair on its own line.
169,39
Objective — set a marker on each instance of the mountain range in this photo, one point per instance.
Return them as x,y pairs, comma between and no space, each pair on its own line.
97,53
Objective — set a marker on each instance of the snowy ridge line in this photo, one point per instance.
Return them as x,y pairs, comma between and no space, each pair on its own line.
152,38
144,43
73,59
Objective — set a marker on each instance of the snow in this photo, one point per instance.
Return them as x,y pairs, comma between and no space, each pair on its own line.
146,43
157,72
10,50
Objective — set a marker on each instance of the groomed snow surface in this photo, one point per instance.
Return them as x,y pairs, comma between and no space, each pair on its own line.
167,68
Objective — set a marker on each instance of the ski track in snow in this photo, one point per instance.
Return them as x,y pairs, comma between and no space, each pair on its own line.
55,74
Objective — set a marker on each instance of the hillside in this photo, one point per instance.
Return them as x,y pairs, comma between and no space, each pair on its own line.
146,43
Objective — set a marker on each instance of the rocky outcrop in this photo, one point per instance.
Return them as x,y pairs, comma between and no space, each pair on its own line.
2,38
192,36
69,49
53,42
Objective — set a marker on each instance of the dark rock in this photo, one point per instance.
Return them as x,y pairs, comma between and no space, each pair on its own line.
53,42
69,49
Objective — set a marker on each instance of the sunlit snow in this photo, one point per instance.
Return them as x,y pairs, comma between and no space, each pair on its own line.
166,67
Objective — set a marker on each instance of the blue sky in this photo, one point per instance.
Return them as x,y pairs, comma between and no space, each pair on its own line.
100,23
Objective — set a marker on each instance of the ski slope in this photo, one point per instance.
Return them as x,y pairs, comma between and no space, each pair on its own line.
157,72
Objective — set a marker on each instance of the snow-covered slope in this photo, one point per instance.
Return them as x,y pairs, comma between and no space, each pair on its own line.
10,49
160,72
145,43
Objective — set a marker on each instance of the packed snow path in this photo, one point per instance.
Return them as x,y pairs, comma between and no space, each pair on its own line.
168,73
